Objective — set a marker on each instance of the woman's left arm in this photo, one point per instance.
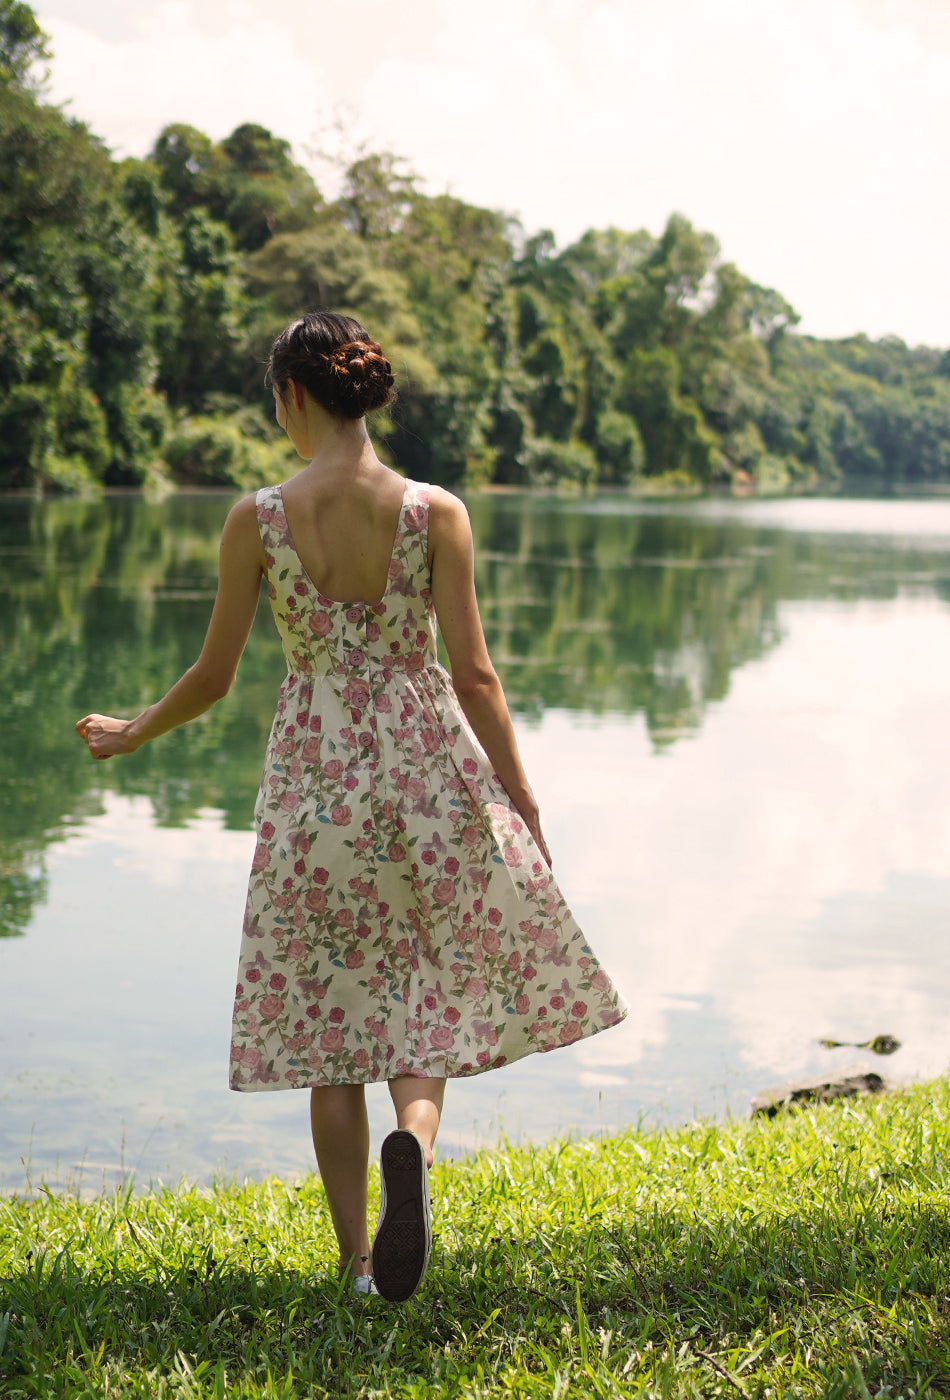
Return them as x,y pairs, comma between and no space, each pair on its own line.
241,564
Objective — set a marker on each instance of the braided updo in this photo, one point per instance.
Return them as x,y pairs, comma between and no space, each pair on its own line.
336,361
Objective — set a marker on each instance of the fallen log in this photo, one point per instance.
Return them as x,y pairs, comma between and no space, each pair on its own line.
822,1089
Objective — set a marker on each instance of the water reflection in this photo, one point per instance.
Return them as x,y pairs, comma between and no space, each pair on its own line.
595,609
731,721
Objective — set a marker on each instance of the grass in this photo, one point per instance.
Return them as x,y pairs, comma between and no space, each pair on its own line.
807,1256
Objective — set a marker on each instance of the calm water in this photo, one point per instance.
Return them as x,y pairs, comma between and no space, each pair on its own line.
734,715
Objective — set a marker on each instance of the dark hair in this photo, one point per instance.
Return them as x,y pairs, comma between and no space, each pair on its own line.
336,361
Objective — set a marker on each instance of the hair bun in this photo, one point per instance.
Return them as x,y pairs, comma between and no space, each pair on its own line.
336,361
362,377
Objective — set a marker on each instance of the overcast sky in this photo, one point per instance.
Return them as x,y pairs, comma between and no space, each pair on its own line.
812,137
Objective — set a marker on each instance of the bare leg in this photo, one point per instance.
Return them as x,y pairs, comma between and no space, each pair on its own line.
418,1104
341,1141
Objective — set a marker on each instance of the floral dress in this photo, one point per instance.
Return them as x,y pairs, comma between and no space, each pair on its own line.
400,919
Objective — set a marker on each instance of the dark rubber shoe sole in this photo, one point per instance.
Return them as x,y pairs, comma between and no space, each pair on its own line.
403,1238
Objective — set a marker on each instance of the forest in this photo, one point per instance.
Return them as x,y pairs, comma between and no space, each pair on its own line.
139,298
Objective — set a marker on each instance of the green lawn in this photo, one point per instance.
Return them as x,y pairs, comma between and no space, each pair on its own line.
807,1256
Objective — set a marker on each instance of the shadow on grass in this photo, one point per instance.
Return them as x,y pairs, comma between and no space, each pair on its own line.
858,1289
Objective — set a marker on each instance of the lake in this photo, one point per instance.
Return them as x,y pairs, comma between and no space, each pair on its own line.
734,715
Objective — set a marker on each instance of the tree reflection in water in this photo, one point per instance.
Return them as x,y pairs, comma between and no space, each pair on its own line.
593,605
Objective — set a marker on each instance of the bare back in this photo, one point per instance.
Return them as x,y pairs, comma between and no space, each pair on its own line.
343,526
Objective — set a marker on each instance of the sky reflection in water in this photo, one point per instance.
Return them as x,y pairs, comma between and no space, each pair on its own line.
753,831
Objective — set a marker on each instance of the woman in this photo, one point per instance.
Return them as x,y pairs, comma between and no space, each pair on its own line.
402,922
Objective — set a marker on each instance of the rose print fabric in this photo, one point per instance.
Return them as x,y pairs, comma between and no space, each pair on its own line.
400,919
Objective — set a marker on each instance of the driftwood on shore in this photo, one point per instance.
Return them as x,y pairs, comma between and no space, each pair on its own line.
823,1088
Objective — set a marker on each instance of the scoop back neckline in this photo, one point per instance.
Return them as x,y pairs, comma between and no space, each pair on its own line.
322,597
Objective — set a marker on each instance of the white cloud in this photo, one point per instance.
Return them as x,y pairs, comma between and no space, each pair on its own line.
811,136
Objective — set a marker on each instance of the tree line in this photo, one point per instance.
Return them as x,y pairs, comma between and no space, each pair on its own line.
139,297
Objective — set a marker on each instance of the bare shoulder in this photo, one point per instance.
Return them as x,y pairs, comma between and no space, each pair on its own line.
244,511
448,518
241,532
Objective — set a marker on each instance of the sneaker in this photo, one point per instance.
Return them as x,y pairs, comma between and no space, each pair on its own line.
403,1238
364,1284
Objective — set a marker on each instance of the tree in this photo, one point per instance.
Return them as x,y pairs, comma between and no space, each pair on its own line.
23,45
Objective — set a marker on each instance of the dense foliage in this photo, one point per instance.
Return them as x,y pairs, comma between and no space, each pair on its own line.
139,298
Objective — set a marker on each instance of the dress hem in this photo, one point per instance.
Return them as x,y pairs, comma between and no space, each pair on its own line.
475,1070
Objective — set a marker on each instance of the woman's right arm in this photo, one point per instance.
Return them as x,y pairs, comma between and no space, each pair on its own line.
452,565
241,564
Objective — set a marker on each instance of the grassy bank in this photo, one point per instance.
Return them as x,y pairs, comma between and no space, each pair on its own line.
808,1256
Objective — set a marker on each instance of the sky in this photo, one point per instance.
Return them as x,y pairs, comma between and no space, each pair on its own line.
812,137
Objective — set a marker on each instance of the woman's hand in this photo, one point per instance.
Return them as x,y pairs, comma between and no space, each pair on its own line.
107,737
528,811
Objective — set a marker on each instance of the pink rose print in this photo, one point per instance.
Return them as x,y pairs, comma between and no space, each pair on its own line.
356,692
364,718
443,892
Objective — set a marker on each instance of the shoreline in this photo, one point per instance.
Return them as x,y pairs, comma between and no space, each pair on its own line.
803,1255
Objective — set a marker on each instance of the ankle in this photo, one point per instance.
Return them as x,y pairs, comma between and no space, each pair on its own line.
353,1265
